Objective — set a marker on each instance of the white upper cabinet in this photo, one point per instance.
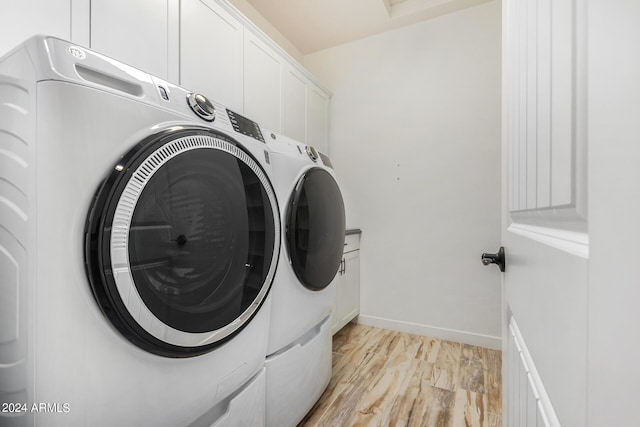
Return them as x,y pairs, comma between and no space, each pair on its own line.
318,118
20,20
282,98
305,110
135,32
295,104
206,46
262,83
211,52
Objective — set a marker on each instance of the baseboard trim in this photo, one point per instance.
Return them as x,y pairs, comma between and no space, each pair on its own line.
479,340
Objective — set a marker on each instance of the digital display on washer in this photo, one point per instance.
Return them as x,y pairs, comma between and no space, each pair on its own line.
245,126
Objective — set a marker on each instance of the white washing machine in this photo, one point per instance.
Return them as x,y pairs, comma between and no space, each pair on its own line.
139,236
298,366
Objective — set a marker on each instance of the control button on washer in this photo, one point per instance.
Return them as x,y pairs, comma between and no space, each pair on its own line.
202,106
312,153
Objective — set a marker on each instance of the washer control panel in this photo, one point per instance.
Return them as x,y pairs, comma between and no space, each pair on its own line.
245,126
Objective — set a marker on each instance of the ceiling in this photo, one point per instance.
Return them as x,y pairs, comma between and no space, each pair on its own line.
313,25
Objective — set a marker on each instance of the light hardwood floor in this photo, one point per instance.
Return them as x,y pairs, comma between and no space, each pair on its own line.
389,378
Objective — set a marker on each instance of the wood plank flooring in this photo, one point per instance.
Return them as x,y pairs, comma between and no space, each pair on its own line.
389,378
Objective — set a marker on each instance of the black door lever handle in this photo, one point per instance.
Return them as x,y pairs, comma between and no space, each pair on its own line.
497,258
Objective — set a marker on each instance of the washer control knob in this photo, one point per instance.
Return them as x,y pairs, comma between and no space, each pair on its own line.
202,106
312,153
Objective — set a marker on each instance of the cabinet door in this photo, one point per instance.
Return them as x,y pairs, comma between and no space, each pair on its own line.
295,105
348,289
20,20
546,228
262,83
318,119
135,32
211,52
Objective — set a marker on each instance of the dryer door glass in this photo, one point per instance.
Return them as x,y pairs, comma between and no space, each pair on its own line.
316,229
189,242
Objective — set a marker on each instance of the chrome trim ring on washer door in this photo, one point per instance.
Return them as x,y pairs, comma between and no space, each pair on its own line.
126,268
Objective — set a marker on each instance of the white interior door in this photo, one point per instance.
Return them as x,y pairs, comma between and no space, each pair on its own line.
545,219
571,104
614,212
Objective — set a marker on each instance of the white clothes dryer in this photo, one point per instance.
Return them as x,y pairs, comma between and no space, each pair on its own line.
298,366
139,237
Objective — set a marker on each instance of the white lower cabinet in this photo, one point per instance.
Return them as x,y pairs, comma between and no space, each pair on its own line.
347,283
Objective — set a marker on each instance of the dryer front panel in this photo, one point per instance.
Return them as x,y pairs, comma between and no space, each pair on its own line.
316,229
182,242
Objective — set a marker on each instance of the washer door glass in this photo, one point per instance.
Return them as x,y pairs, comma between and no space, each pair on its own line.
316,229
182,243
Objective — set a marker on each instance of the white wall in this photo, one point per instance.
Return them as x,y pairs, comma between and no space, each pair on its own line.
415,140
